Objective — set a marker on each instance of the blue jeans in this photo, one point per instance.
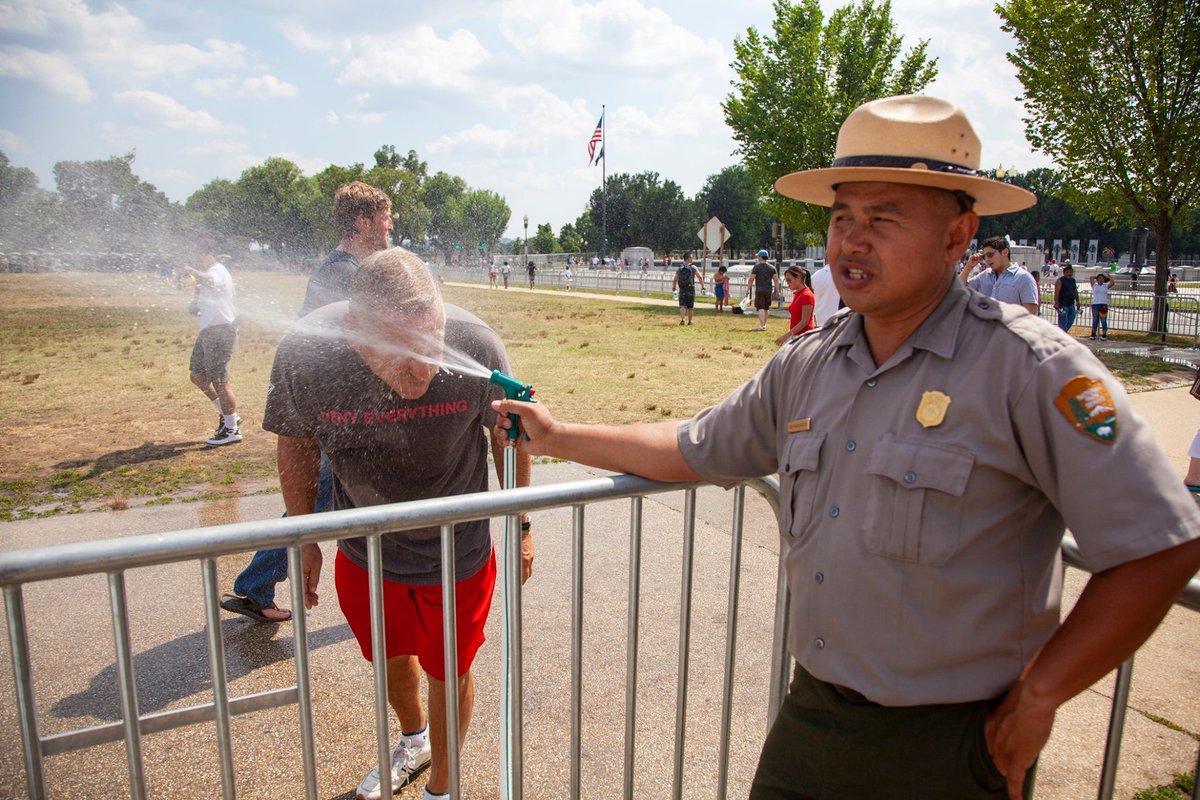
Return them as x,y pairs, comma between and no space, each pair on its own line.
268,567
1066,317
1097,319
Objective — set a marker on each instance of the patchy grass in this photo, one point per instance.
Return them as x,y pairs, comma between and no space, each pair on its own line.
96,410
1178,789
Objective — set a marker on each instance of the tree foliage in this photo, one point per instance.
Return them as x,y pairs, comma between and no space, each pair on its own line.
796,86
1112,89
731,196
642,210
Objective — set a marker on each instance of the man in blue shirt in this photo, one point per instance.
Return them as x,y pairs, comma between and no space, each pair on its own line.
1005,281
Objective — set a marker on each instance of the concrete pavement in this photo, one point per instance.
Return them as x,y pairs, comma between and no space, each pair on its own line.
75,682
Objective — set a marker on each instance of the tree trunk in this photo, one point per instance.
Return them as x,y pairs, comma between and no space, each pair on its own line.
1162,273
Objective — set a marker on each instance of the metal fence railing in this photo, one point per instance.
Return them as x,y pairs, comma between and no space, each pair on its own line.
1133,312
113,558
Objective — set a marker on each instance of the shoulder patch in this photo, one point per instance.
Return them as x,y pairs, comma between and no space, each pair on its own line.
1087,405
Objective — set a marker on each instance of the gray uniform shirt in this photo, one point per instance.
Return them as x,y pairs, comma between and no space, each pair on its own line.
923,501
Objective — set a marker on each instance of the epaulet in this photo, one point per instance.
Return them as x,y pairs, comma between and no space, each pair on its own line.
1042,338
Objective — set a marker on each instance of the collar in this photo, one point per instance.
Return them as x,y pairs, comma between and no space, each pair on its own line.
937,334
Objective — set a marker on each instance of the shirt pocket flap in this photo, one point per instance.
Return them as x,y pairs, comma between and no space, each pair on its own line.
801,452
922,465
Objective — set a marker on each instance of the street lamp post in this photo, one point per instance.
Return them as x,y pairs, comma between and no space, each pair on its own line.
525,241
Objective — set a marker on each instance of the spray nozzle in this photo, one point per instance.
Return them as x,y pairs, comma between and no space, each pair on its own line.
513,390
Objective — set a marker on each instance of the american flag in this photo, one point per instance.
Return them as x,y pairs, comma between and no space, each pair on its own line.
597,137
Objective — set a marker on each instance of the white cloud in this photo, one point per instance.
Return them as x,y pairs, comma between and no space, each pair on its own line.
477,139
53,71
418,57
213,87
10,141
158,109
626,34
267,87
332,118
302,40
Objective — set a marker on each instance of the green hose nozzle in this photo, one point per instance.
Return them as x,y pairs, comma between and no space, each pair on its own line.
513,390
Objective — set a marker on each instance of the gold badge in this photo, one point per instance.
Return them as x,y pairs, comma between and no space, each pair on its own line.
932,410
1087,405
799,425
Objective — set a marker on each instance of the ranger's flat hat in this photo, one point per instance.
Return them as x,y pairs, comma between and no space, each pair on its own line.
911,139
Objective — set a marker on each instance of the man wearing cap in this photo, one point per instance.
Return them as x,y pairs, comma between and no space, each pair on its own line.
931,447
763,281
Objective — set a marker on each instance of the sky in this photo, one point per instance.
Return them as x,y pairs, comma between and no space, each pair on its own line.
503,93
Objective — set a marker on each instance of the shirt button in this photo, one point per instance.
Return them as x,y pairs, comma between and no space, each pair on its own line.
833,512
820,643
851,445
871,382
910,477
820,577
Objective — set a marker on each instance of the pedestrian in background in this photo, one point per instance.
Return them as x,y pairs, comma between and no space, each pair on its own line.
531,270
1066,298
800,310
213,350
763,284
721,286
685,282
1101,283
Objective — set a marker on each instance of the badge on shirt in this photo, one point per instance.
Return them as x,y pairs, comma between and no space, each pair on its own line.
799,425
932,410
1089,407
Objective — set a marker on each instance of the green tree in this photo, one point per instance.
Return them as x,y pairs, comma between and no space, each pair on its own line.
115,210
216,203
544,241
1112,89
480,216
387,156
795,87
642,210
14,181
276,204
731,196
410,217
438,194
569,239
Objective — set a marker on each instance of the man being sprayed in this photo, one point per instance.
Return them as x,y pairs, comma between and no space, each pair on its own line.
362,215
209,364
932,444
360,382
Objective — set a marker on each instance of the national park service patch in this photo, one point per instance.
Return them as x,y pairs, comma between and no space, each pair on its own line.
1089,407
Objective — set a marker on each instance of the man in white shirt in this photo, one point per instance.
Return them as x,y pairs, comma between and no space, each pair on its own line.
209,363
828,299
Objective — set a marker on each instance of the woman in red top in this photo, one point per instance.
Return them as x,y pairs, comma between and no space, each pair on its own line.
803,302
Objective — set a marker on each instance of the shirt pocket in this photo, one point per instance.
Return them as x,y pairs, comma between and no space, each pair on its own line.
915,499
798,462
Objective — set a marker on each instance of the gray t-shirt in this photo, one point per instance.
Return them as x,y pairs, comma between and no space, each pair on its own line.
330,281
764,277
384,449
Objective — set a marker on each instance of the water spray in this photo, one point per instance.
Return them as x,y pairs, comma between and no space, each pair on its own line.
513,390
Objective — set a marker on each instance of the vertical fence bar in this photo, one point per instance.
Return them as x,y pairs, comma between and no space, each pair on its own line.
516,686
308,741
127,685
780,658
220,685
379,662
1196,777
18,644
735,574
576,648
685,638
450,635
631,640
1116,729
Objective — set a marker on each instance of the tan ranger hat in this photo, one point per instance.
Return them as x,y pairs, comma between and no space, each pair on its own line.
911,139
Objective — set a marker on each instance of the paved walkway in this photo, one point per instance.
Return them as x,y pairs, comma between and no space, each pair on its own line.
74,671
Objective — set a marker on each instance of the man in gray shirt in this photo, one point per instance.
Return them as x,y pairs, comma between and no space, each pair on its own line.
361,382
931,445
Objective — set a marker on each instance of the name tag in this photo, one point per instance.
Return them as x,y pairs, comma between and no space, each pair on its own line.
799,425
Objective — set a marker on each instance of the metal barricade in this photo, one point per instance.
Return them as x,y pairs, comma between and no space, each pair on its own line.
115,557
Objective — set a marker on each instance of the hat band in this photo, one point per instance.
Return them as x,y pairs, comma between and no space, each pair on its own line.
905,162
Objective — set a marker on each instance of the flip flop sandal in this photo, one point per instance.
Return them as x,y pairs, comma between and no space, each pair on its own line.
247,607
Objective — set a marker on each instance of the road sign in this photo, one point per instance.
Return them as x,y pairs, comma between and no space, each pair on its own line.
714,234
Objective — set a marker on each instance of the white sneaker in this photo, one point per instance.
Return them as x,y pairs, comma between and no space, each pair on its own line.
225,436
409,759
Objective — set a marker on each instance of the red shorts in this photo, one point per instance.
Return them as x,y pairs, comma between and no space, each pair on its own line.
412,615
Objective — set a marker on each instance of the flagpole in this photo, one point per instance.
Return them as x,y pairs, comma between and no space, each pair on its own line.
603,186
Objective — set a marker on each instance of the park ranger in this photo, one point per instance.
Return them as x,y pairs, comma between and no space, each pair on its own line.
932,445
